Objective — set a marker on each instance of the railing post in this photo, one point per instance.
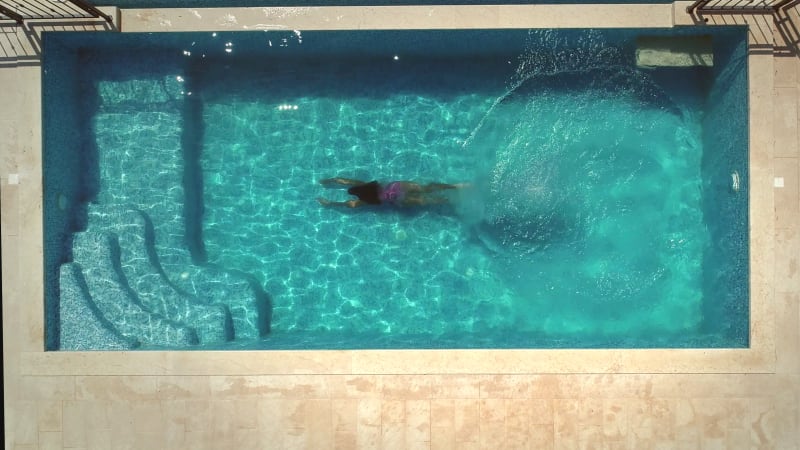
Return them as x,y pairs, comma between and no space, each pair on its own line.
11,14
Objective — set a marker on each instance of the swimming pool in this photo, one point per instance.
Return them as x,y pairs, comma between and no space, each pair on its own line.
181,175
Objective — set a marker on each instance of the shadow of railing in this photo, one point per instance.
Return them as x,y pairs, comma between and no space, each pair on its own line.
772,25
21,45
787,29
23,10
701,7
18,46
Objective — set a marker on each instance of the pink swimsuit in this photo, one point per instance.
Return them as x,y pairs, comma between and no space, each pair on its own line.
393,192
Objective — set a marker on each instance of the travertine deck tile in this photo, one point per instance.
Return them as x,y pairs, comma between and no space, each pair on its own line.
785,120
786,69
49,415
50,440
46,389
787,197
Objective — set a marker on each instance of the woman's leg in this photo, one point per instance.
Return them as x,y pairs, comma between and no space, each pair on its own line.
434,187
341,182
348,203
423,200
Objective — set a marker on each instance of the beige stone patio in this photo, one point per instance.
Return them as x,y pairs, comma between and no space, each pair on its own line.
537,399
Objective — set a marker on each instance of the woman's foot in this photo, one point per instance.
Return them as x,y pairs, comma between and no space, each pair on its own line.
323,201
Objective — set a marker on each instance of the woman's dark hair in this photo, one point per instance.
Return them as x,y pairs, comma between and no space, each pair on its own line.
367,193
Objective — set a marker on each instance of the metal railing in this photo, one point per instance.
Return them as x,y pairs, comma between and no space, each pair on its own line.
22,10
701,7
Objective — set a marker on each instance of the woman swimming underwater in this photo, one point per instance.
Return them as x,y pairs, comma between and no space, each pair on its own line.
397,193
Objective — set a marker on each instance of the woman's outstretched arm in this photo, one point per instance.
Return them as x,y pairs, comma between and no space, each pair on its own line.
330,182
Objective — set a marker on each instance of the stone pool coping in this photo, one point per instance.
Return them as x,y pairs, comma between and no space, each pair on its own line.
22,235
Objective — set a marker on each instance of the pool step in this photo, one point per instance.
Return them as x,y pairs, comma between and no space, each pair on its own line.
83,326
98,254
166,91
674,51
246,303
217,305
141,268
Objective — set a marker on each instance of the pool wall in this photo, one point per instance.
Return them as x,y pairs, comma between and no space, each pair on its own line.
63,172
725,162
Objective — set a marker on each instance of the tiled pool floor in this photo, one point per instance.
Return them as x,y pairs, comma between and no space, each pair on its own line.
414,399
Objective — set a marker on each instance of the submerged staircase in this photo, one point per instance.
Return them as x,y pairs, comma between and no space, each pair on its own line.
117,287
103,285
132,281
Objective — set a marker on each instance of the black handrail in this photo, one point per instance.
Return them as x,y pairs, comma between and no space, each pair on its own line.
21,10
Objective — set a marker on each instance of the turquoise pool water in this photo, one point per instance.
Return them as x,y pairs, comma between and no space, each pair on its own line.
587,223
